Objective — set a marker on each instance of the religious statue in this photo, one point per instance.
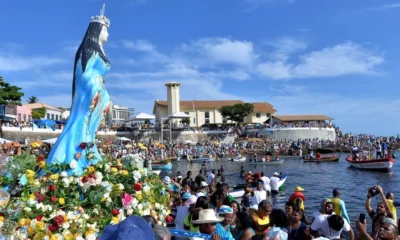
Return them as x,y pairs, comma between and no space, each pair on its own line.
91,103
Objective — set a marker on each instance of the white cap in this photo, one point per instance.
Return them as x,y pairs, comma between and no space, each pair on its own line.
203,184
167,180
276,174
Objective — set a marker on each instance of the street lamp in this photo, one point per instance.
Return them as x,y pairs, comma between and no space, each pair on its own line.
194,118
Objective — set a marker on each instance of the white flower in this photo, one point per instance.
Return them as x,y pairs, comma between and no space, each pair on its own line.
92,226
129,212
33,223
107,167
121,186
98,181
27,209
106,195
108,200
134,202
31,202
136,175
76,180
98,175
36,183
65,181
40,206
73,164
64,174
140,206
91,237
146,212
65,225
159,223
1,224
96,211
164,212
158,206
146,189
79,238
85,216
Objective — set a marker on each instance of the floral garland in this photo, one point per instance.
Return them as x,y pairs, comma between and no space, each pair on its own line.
58,206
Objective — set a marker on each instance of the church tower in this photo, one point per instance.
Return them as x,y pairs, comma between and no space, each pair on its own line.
173,97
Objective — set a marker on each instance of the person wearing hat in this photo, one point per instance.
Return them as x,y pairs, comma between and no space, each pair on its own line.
200,204
203,190
207,223
132,227
274,183
223,228
170,184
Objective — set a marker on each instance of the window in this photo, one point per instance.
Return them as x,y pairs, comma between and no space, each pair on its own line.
258,115
187,113
24,117
268,114
48,116
29,118
19,117
56,117
52,116
207,117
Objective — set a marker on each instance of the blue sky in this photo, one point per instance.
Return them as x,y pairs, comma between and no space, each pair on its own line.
338,58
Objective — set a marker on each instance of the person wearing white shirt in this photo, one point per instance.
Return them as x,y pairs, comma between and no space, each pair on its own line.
257,195
210,177
274,183
331,226
266,181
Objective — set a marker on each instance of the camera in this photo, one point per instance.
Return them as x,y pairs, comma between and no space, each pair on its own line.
374,191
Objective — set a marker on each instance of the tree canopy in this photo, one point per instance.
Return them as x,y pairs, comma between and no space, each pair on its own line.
236,112
39,113
10,94
32,99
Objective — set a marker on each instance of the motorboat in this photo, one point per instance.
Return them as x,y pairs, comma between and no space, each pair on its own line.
237,191
383,164
322,159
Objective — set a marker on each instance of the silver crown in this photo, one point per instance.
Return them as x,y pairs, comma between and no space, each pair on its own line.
101,18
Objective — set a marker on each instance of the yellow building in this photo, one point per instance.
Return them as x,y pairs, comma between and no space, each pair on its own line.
205,112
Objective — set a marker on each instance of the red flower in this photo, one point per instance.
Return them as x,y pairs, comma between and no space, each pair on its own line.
85,179
53,227
52,188
59,219
138,186
115,212
40,158
40,198
53,199
83,146
169,219
91,175
39,218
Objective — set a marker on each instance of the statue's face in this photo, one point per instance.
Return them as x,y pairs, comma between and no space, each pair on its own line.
103,35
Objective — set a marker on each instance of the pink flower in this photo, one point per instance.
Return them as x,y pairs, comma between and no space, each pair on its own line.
126,199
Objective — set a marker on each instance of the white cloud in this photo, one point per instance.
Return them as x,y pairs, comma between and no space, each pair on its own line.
386,7
223,50
358,114
286,46
342,59
139,45
11,63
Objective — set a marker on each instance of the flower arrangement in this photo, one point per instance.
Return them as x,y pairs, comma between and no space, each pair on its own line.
58,206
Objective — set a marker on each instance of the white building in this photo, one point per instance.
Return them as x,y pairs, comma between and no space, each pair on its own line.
205,112
52,113
120,114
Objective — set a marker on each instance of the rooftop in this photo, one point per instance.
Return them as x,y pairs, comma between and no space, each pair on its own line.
290,118
259,107
40,105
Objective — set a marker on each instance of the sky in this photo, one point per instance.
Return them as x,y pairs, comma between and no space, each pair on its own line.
337,58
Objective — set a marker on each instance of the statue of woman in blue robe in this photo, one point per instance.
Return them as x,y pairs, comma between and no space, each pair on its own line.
90,102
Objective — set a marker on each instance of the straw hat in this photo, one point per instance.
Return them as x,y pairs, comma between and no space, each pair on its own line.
207,216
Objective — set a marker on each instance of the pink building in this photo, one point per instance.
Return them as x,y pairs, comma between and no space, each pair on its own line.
24,114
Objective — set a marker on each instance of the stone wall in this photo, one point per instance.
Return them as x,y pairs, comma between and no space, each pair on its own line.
303,133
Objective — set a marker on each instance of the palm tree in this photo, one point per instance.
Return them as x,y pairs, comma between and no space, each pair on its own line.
32,99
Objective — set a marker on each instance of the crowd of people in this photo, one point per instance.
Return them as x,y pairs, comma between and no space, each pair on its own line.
203,205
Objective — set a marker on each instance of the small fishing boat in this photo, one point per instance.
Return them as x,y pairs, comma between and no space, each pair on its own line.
167,166
203,159
239,158
384,164
271,162
323,159
237,191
